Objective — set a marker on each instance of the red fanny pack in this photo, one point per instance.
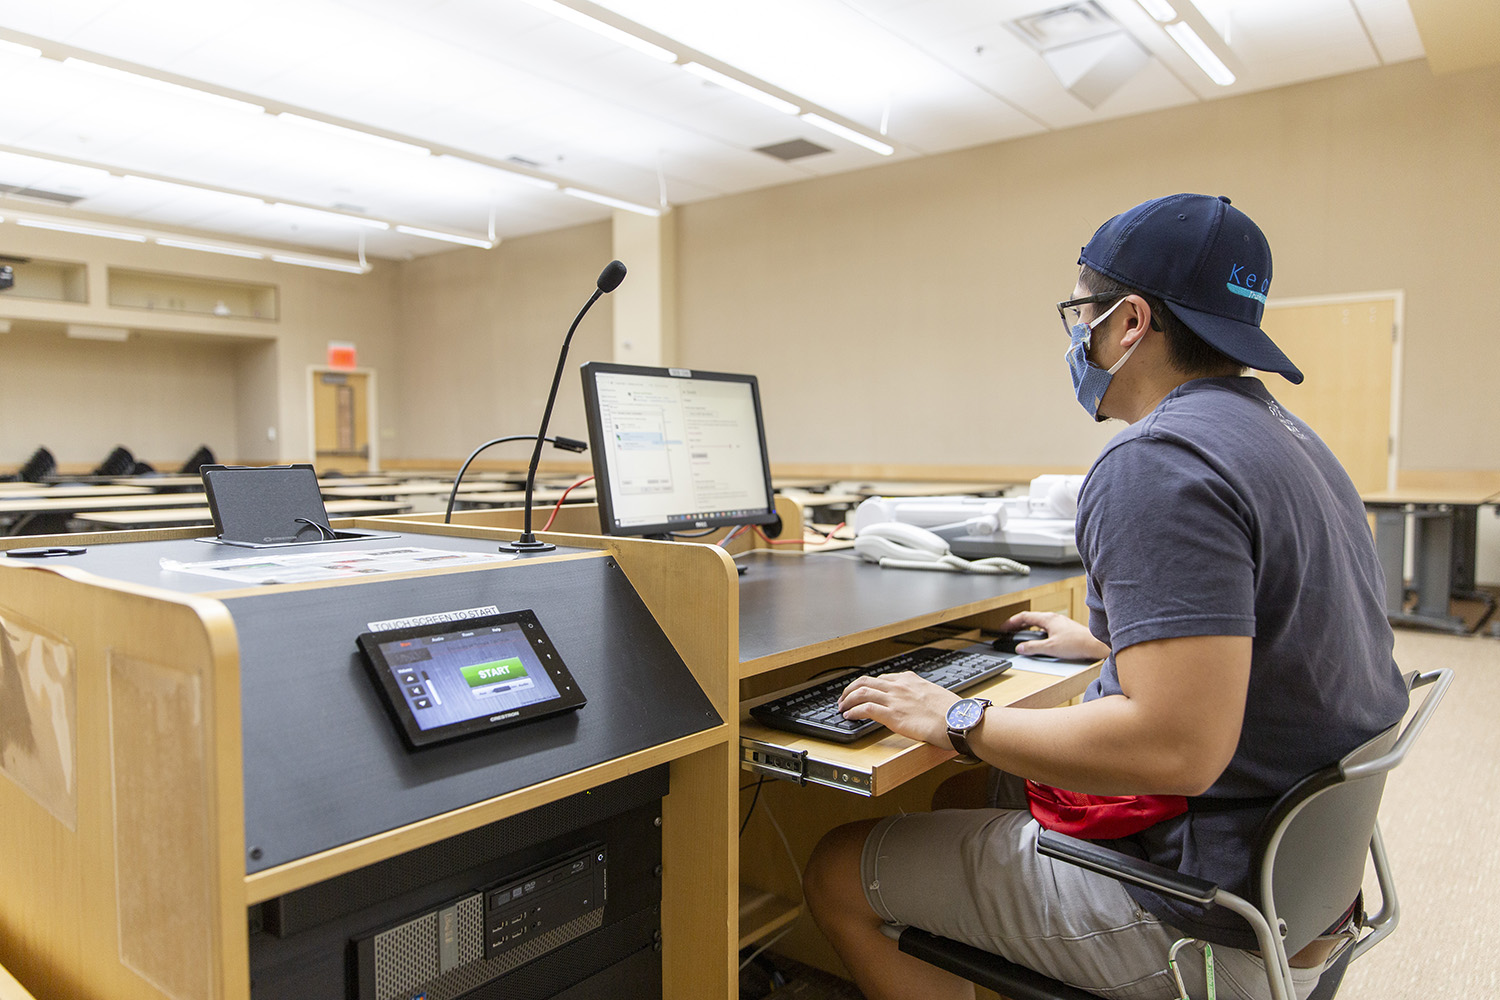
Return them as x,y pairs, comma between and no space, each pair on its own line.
1099,817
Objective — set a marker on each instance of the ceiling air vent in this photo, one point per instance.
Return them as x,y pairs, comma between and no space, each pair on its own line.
792,149
1085,48
1065,25
37,194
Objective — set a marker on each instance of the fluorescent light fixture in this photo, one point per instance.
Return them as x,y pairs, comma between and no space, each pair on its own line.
1160,9
432,234
74,171
243,200
609,31
350,267
1198,50
329,128
325,216
845,132
211,248
541,183
120,75
604,199
490,171
17,49
68,227
741,87
87,331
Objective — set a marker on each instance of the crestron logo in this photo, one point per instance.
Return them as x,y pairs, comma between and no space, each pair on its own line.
1244,284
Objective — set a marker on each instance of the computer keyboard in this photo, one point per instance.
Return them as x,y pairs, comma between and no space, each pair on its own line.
813,711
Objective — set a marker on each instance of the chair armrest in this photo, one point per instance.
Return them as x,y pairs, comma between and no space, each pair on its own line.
1124,868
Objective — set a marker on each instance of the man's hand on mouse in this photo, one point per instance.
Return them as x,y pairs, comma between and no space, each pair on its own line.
1066,639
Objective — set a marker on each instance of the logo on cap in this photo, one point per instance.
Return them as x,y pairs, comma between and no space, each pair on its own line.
1241,283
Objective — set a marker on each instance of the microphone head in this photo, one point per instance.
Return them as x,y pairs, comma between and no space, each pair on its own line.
611,276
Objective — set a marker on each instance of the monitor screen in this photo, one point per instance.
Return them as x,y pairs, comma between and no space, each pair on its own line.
676,449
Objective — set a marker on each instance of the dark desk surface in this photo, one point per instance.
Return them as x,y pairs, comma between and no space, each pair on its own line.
789,602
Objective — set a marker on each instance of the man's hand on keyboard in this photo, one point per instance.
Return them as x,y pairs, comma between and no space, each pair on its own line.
902,702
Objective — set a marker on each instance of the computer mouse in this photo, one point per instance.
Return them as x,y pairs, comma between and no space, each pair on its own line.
1006,641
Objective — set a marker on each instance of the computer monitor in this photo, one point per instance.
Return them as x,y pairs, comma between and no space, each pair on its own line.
676,449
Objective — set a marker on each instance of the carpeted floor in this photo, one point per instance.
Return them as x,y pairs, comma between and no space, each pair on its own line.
1440,819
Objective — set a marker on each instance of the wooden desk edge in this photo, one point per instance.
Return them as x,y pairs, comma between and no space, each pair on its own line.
890,759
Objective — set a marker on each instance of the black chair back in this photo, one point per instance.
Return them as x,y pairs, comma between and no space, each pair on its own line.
39,466
198,460
119,462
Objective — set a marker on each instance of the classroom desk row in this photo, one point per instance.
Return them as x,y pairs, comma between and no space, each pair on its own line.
1444,530
32,509
145,638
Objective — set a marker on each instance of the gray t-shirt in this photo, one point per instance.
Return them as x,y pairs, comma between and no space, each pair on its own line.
1220,513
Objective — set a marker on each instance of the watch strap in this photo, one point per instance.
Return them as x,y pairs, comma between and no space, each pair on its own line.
960,743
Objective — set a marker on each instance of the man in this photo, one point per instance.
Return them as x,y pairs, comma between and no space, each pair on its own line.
1235,595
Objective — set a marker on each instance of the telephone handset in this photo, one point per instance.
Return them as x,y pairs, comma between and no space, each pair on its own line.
897,545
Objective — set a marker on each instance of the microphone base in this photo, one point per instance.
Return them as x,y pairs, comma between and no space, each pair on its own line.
524,545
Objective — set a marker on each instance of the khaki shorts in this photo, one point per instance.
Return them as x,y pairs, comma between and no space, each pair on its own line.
974,875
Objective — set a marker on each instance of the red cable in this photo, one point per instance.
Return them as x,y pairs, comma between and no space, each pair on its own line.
558,506
797,541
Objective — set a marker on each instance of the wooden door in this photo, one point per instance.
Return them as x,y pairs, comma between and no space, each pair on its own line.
1347,350
341,421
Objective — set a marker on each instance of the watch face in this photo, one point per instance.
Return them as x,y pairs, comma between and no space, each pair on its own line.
965,714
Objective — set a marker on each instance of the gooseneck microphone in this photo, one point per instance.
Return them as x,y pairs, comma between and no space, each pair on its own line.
609,280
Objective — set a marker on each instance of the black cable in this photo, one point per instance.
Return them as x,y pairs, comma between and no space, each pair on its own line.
696,534
325,533
567,444
753,799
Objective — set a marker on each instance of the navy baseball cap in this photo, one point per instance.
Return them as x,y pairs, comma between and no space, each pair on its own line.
1207,260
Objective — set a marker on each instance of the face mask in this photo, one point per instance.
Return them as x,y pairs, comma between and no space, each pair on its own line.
1089,380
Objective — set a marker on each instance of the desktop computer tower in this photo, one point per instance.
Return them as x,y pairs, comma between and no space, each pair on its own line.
562,902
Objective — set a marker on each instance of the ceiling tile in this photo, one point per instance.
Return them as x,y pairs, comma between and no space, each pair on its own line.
504,80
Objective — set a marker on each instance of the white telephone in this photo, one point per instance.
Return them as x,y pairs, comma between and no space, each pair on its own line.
898,545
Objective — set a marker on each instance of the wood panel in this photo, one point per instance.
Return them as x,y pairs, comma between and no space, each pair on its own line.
10,989
62,891
1346,351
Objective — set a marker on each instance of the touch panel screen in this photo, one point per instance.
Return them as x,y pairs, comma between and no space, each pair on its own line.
450,679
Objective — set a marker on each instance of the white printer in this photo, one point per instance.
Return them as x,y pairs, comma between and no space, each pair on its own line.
1035,528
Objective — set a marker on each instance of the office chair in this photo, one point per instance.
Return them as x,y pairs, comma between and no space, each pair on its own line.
197,460
119,462
38,467
1309,864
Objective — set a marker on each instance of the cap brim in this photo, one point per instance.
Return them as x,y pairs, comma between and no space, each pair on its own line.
1242,342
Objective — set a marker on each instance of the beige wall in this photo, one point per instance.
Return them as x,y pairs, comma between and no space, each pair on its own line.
179,380
481,335
48,377
897,315
904,314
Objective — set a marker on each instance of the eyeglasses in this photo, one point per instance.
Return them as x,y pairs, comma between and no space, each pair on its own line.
1072,315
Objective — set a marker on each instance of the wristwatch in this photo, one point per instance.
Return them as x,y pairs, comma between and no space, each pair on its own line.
963,716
